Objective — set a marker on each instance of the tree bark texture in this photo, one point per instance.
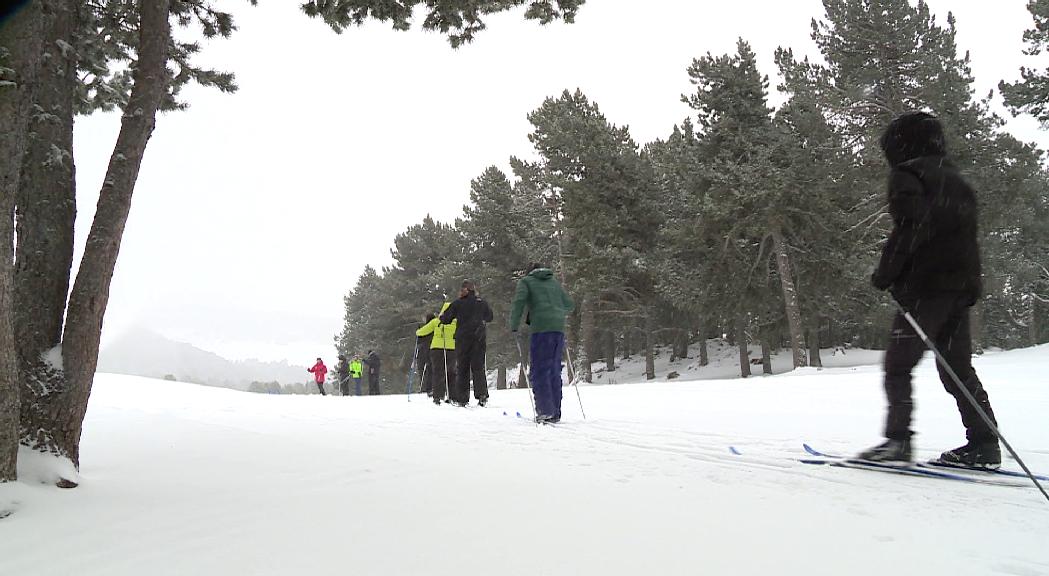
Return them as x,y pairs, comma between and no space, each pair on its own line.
90,294
610,351
46,205
650,355
766,354
21,37
741,341
790,299
500,378
704,354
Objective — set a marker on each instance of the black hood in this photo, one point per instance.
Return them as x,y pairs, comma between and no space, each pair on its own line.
913,135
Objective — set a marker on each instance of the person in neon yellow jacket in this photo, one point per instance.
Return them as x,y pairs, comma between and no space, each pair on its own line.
442,373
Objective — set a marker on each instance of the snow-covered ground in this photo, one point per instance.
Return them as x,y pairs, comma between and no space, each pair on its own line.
181,479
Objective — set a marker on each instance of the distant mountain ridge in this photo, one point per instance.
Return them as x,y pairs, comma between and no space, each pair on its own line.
144,353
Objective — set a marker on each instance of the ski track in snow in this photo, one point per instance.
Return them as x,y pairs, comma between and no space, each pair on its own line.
180,479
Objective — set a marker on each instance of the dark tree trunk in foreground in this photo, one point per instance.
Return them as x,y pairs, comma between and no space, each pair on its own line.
790,300
741,341
46,205
57,423
21,37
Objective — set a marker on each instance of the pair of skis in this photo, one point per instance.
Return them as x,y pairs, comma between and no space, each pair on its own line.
932,469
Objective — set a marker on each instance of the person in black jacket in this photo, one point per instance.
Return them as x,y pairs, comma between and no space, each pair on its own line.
931,265
343,370
373,363
472,314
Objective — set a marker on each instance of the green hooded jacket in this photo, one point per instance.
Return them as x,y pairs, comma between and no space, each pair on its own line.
547,302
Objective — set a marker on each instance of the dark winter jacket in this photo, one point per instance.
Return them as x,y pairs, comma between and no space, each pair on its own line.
373,363
547,302
424,339
343,369
471,313
933,245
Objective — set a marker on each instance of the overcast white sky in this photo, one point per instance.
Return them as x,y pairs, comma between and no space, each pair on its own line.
255,212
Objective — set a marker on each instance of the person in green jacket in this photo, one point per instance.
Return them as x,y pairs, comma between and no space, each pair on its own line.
442,371
547,305
356,370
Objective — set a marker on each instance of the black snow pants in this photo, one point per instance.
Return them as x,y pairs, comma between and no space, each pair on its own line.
945,319
470,352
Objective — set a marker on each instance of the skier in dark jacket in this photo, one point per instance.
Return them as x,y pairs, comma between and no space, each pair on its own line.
931,265
471,313
373,362
422,356
442,364
343,370
547,305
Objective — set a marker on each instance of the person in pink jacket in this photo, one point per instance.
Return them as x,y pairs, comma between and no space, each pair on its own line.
319,371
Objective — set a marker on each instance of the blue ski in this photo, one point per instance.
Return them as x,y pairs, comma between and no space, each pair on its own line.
902,469
940,466
999,471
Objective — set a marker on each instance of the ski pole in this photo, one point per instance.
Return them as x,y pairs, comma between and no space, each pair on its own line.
528,383
575,381
968,396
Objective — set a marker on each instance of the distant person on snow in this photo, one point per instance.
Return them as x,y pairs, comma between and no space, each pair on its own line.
356,372
422,355
373,362
343,370
931,265
442,363
319,371
472,313
547,305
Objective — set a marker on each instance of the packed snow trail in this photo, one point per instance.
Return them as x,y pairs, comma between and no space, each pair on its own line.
181,479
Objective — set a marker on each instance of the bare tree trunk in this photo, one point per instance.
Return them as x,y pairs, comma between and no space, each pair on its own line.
814,348
650,356
1032,324
790,299
976,325
90,294
46,205
741,341
21,37
587,328
610,351
704,355
500,378
766,354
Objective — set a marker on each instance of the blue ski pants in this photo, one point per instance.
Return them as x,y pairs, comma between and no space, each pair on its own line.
545,374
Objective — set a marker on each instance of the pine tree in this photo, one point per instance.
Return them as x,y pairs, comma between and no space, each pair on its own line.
602,190
1031,94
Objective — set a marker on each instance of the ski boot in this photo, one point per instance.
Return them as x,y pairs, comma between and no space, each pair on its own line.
974,455
898,451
